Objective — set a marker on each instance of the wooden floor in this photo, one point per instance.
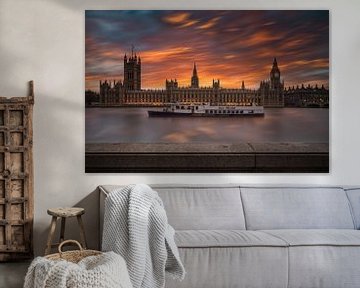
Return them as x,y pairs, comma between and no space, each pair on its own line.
12,274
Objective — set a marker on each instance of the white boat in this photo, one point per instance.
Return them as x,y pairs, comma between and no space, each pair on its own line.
206,110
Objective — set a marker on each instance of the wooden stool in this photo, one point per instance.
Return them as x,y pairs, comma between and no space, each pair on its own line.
64,213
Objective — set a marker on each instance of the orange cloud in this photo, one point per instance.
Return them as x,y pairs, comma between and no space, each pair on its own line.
299,41
229,56
316,63
260,38
183,20
155,56
178,18
210,23
189,23
235,29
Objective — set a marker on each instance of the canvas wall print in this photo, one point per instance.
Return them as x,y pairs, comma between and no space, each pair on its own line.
207,91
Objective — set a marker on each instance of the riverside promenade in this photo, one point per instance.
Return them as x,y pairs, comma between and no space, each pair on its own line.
243,157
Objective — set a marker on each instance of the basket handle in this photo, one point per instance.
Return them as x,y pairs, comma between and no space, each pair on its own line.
69,241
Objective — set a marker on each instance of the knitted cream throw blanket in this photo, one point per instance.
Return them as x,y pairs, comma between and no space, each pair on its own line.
103,271
136,227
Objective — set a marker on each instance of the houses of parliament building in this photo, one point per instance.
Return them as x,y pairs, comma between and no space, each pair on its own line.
271,93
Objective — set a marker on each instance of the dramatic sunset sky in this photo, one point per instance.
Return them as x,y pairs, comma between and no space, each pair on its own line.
229,45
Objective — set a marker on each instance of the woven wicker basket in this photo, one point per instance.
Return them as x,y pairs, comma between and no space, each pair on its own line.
72,256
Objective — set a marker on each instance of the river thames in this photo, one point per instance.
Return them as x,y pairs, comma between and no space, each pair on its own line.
132,125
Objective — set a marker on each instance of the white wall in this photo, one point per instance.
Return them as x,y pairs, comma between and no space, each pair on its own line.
43,40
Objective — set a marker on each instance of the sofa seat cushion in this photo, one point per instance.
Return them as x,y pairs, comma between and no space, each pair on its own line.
322,258
317,237
226,238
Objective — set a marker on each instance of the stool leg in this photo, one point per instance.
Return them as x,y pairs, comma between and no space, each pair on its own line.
51,235
62,231
82,232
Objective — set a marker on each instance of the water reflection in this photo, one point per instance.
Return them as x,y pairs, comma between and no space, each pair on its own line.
132,125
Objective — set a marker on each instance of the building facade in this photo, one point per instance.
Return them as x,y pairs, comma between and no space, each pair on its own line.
310,96
129,92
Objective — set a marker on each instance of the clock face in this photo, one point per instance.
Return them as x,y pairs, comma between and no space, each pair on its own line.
276,74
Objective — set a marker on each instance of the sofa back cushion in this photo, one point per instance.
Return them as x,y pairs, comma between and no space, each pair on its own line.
296,208
354,198
203,208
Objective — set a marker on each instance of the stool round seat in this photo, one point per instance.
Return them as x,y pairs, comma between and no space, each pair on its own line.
66,211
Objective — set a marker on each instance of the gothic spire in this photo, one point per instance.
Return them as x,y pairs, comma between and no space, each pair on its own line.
275,62
195,78
194,70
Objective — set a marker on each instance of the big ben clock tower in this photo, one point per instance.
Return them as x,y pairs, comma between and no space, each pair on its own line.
275,76
272,90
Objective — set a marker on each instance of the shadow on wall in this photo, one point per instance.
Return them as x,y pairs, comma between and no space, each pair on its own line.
58,154
91,219
54,148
